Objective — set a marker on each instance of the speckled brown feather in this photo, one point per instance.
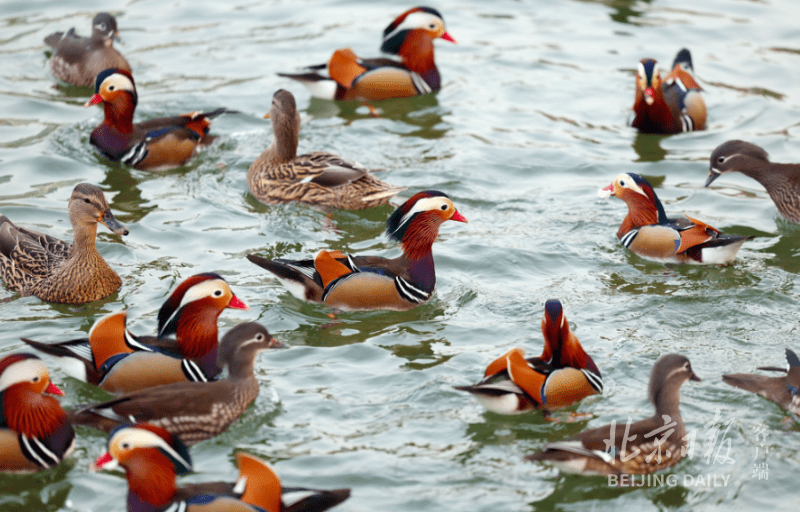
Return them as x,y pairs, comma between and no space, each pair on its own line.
278,175
193,411
30,268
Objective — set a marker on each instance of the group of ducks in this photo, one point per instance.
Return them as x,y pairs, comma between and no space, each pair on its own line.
180,399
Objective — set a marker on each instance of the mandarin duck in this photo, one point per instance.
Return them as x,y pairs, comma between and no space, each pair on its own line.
35,432
783,390
647,231
672,104
194,411
561,376
373,282
118,361
150,145
409,37
782,181
32,263
77,60
640,447
152,458
279,175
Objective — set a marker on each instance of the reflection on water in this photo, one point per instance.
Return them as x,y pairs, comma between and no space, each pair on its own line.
649,149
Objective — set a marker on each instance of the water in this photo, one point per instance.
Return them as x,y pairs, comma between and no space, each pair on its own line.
529,124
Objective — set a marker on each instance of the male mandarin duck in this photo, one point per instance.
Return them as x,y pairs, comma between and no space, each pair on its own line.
783,390
782,181
193,411
152,458
279,175
154,144
668,105
647,231
77,60
373,282
35,432
118,361
410,37
561,376
639,448
33,263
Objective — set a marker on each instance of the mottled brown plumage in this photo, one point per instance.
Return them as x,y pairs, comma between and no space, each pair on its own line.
783,390
33,263
279,175
640,447
77,60
782,181
193,411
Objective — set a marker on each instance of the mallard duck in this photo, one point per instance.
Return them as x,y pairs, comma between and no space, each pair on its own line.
33,263
279,175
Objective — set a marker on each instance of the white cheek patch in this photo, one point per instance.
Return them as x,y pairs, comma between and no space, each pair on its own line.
425,205
120,82
22,371
140,438
415,20
203,290
641,72
631,184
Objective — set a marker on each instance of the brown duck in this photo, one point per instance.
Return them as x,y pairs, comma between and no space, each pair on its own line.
783,390
33,263
279,175
192,411
637,448
77,60
782,181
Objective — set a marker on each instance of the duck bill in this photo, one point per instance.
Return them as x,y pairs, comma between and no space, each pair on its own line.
458,217
53,389
695,378
111,222
266,116
712,175
106,461
115,37
649,95
606,192
94,100
237,303
276,343
448,37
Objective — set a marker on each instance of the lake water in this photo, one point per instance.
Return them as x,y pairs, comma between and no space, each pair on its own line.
530,122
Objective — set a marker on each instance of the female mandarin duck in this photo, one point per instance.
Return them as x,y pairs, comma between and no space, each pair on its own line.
33,263
561,376
640,447
648,232
410,37
118,361
372,282
35,433
194,411
280,176
152,458
782,181
153,144
783,390
669,105
77,60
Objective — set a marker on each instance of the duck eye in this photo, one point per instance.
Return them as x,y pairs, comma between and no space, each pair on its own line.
111,87
86,200
621,183
102,26
443,207
259,337
721,159
432,26
217,293
35,379
125,446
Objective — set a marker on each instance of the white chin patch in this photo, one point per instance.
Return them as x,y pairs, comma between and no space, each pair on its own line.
604,193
